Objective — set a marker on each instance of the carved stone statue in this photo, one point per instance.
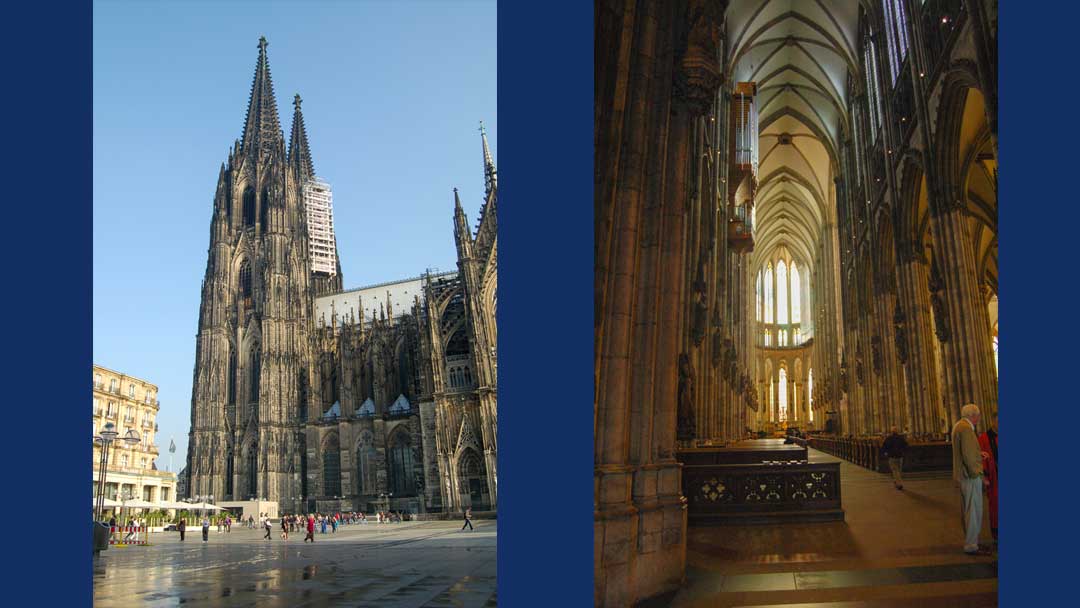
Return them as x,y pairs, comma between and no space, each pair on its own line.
685,429
900,336
875,354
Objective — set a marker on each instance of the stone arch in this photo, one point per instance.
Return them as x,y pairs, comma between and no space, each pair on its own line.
472,480
401,463
264,208
957,83
248,207
331,464
366,464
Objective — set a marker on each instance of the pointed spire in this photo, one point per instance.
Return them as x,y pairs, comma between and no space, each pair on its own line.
299,151
262,129
490,181
461,224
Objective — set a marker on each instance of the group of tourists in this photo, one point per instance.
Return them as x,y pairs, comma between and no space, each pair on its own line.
325,523
975,470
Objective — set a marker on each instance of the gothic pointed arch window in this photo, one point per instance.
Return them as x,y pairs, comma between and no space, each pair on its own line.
365,464
896,35
769,294
253,471
231,397
264,209
229,473
302,390
781,293
870,69
332,466
244,283
401,465
256,368
772,400
249,207
782,396
472,479
757,298
796,311
810,391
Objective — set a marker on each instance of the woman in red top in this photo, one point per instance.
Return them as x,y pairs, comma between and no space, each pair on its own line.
310,529
988,445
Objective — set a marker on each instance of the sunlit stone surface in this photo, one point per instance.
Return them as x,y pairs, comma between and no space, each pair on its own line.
392,565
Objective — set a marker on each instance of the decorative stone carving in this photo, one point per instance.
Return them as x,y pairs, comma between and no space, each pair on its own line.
843,374
685,428
937,301
701,309
860,375
900,335
698,74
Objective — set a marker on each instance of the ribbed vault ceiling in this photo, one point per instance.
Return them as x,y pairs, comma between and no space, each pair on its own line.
799,52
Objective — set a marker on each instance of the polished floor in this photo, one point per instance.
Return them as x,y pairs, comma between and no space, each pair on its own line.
894,548
407,565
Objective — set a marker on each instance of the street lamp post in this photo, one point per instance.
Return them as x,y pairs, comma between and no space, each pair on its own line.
106,437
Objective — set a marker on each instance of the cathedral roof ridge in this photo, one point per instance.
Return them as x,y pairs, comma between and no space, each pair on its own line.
387,283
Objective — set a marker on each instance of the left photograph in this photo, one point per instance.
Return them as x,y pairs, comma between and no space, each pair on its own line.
295,366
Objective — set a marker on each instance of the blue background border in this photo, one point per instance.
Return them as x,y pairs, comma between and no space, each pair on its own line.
46,56
545,311
545,316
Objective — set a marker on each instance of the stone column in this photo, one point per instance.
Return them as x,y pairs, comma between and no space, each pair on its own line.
968,351
915,349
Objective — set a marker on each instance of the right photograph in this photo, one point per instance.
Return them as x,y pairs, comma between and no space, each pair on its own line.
796,291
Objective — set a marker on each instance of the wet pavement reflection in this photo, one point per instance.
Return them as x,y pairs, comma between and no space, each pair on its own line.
414,564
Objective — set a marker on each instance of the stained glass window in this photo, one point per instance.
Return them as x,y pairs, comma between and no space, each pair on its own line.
757,300
810,391
896,35
795,296
781,293
782,386
772,401
768,294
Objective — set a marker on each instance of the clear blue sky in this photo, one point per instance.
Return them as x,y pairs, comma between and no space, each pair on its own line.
393,93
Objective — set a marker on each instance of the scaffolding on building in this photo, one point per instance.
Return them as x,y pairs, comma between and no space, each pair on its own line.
319,203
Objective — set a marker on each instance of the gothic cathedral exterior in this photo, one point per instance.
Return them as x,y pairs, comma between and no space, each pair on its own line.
325,399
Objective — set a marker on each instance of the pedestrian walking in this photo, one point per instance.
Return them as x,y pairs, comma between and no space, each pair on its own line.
182,527
205,529
266,525
967,464
468,519
894,447
310,529
284,528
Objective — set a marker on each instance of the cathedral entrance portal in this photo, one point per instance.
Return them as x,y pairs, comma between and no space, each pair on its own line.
472,481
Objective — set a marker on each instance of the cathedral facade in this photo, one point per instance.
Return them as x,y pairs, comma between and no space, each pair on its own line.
320,398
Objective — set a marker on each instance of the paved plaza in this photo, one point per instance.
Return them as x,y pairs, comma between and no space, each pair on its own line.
410,564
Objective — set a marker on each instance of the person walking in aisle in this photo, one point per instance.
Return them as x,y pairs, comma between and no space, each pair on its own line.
468,518
894,448
988,445
967,464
